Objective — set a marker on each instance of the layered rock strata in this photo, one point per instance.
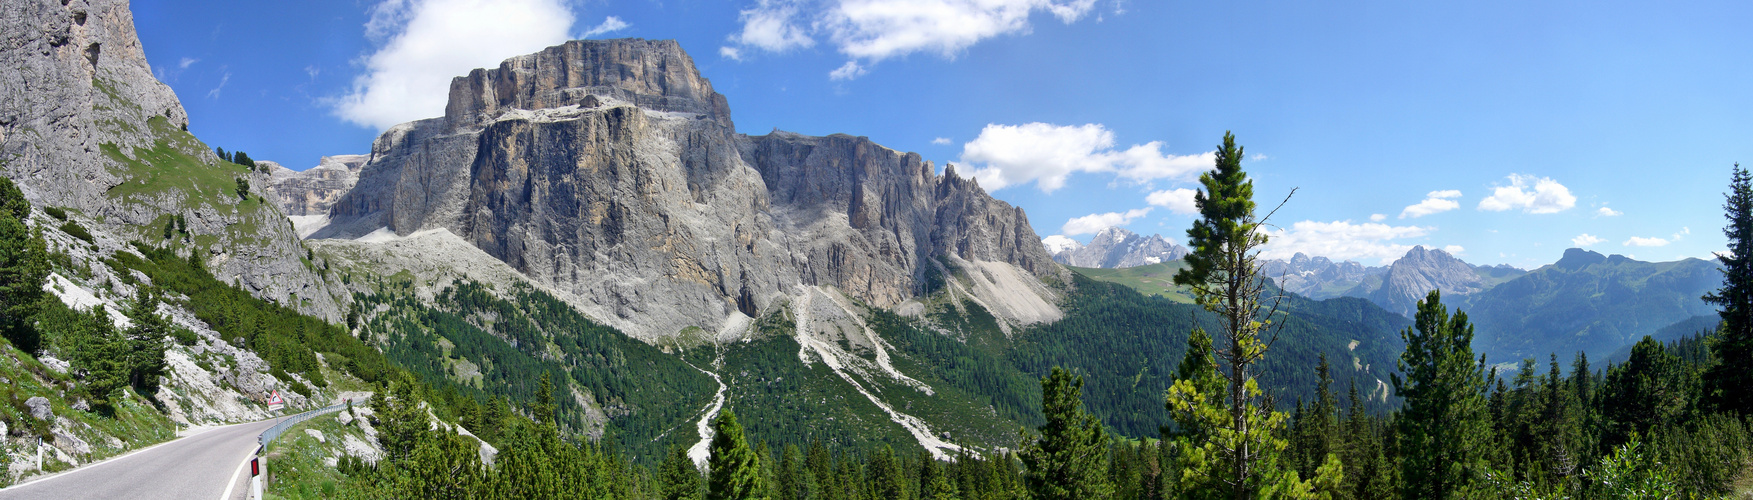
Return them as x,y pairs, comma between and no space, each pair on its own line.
610,170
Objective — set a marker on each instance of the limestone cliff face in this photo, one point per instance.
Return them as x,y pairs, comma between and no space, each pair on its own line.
1421,270
611,170
84,125
312,192
1116,248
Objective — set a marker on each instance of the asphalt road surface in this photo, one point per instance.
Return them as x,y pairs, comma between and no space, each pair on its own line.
196,467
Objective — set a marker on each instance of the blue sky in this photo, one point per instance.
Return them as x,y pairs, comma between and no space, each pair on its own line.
1506,131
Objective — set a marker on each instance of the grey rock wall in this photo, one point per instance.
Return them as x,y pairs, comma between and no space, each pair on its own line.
610,170
74,83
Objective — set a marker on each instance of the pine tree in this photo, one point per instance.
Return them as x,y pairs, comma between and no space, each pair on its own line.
100,356
1729,383
24,264
1444,426
1240,453
678,479
1069,460
735,469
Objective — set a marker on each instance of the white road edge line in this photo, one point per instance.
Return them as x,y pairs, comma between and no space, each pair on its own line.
94,465
233,483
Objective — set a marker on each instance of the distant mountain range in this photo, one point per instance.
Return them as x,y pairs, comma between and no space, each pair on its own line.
1586,302
1113,248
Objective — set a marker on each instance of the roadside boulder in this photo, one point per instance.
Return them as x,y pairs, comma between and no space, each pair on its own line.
39,408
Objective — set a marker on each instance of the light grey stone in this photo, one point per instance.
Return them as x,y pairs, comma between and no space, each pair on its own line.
39,408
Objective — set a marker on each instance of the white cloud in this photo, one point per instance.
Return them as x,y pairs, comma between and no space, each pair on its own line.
1009,155
1435,202
1637,241
1091,223
1378,217
1586,239
223,79
1534,195
874,30
731,53
609,25
1178,200
425,43
1342,240
847,71
186,62
1455,250
774,26
942,141
313,71
1608,212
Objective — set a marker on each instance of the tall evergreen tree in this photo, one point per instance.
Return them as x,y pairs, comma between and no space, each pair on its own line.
1444,426
1070,459
735,469
1649,389
677,477
24,264
1242,447
146,339
1729,383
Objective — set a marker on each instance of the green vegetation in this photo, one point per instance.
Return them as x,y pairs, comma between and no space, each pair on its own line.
24,264
1730,383
1444,426
1070,459
286,339
735,470
473,345
1155,279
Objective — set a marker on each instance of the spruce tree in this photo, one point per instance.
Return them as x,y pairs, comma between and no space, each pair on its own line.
146,342
1070,459
1444,427
1729,383
735,469
678,479
24,264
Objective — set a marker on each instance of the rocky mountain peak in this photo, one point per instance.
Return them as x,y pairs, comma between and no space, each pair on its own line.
651,74
1114,247
609,170
1420,271
1577,258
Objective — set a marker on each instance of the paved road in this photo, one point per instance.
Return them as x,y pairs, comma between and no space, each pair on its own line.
195,467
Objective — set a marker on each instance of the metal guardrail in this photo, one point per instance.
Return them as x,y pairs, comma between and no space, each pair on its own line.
274,432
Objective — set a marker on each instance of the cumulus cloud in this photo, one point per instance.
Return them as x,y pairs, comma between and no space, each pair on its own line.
847,71
1091,223
1343,240
1535,195
1586,239
874,30
941,141
1178,200
1608,212
1009,155
1435,202
1637,241
1378,217
422,44
609,25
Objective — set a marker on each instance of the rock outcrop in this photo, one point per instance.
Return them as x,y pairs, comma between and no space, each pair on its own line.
85,126
611,171
1115,247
